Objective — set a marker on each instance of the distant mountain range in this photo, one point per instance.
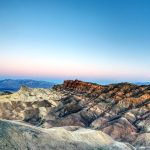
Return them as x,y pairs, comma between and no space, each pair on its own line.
142,83
14,85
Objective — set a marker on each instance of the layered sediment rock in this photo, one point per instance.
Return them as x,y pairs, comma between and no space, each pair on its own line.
120,110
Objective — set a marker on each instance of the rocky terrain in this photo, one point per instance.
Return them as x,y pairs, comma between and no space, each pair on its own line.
29,105
19,136
122,111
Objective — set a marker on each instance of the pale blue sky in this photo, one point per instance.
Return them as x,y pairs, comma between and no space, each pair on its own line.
96,40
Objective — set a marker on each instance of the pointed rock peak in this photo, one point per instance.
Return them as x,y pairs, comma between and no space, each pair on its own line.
24,89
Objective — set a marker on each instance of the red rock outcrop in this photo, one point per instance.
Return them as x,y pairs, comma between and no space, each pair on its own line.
79,86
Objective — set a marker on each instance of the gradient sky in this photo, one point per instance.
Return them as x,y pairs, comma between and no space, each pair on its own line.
95,40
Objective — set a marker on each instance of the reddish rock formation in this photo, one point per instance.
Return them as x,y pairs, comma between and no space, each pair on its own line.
120,110
79,86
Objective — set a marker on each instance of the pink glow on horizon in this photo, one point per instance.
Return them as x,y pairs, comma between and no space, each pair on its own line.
63,71
11,67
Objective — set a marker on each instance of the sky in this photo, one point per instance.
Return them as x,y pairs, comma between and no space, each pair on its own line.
101,41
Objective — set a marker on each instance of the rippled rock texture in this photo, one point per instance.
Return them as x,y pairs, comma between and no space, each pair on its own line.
120,110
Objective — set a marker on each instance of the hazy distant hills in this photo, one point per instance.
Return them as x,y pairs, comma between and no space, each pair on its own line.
14,85
142,83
